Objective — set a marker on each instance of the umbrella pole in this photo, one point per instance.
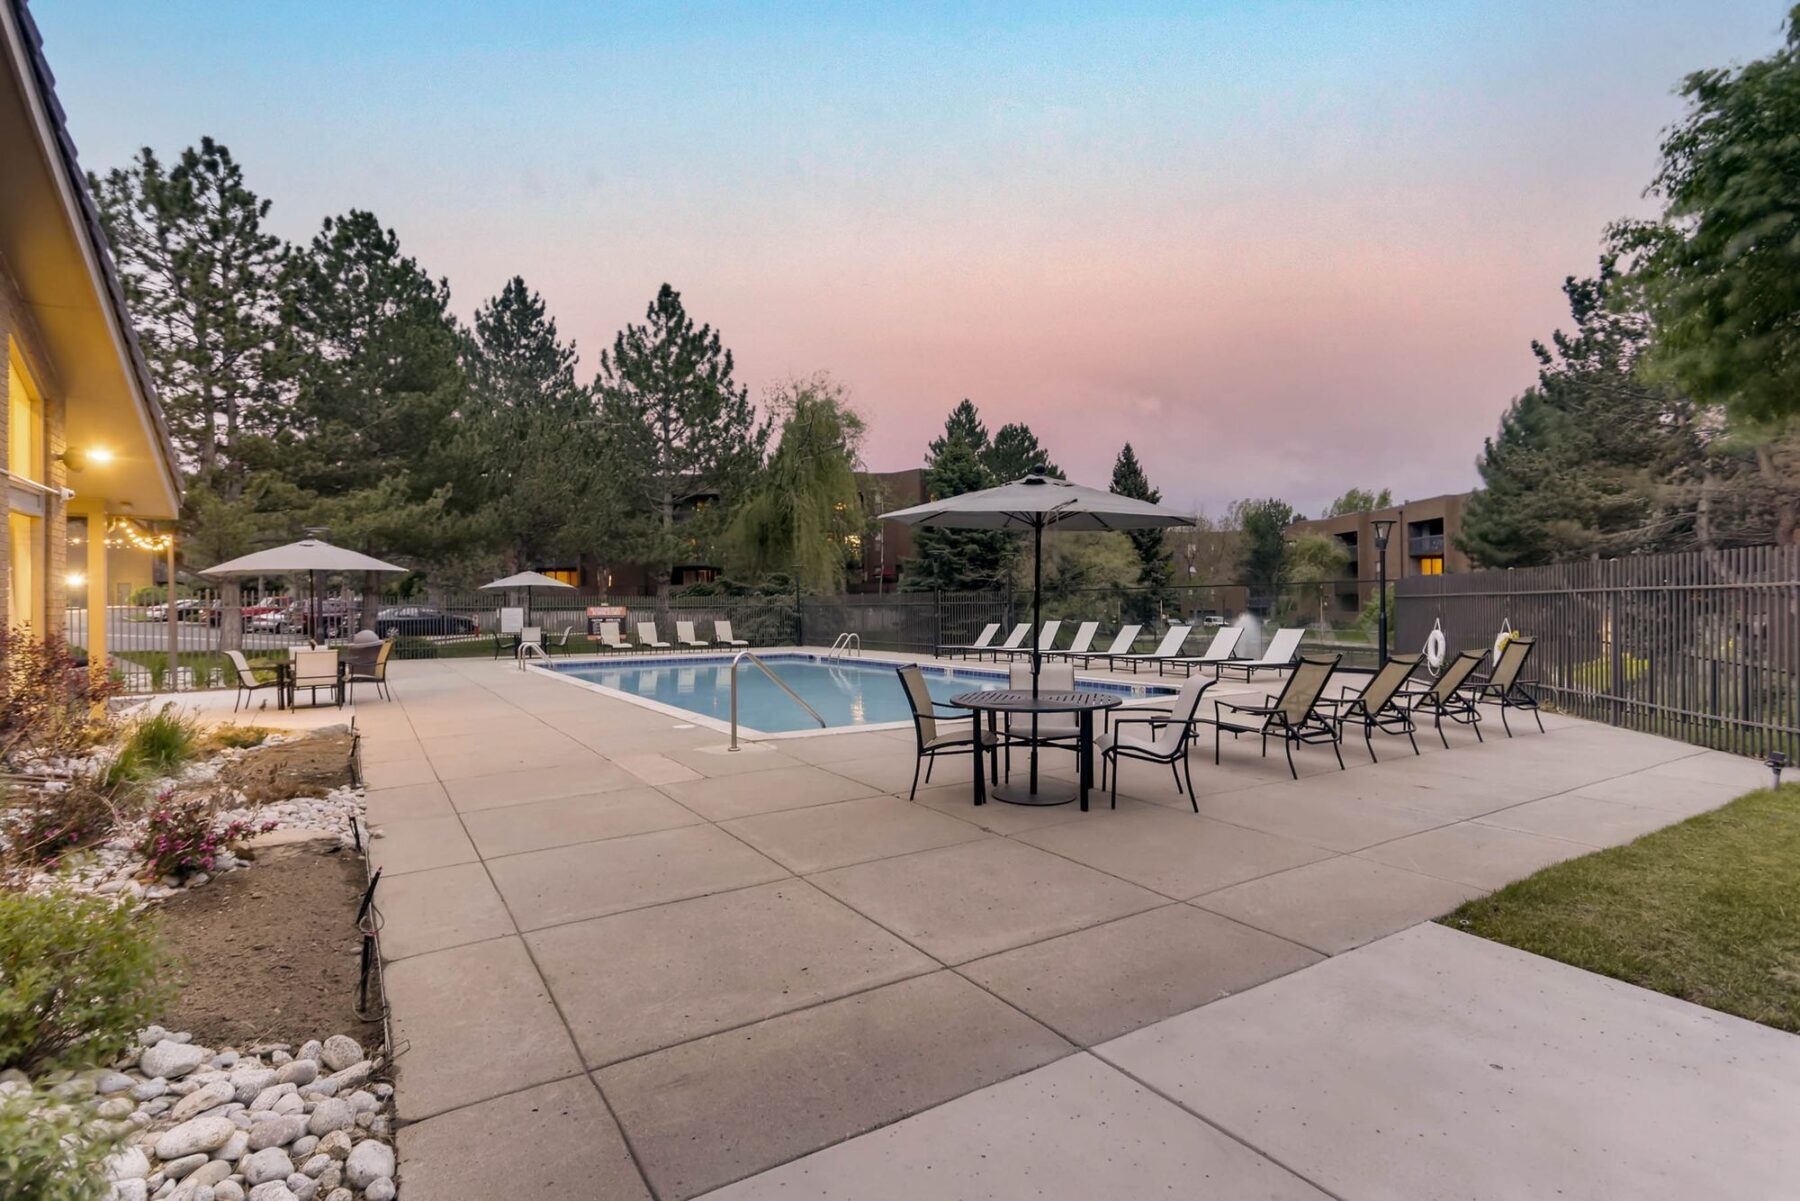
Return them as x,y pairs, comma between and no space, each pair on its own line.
1037,623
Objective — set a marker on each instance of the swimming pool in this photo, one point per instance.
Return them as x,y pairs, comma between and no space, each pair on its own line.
846,692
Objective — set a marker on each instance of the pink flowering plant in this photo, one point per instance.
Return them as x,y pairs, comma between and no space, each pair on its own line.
181,838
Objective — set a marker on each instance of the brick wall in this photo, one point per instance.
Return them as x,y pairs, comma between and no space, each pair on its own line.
18,330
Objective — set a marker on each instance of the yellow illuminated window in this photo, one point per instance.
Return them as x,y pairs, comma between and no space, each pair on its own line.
25,525
564,575
1431,565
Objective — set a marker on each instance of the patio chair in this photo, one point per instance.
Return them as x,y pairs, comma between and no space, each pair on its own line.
647,638
1013,642
371,672
684,634
1451,695
933,742
951,650
531,642
1222,647
1279,655
722,635
1053,729
1164,739
1381,705
1169,647
561,645
1294,715
313,670
247,682
1503,685
1045,640
1084,638
612,638
1121,645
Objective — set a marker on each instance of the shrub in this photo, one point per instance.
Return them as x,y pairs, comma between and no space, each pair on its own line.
161,742
237,738
51,1149
78,977
50,702
40,828
184,838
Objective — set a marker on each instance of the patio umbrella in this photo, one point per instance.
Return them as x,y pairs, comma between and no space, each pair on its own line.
527,580
308,555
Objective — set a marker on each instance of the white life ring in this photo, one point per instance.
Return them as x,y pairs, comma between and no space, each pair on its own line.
1503,637
1434,648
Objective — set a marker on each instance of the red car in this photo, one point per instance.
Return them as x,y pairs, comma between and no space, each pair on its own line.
249,613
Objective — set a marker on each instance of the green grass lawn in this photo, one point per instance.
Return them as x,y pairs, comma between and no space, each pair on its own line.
1708,910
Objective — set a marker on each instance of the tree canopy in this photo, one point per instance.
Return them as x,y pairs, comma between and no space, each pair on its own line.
1360,500
803,512
1155,565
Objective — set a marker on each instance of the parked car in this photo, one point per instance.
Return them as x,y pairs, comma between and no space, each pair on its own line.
216,613
185,610
422,620
336,617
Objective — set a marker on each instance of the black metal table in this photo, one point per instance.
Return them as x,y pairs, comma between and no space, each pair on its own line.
1021,703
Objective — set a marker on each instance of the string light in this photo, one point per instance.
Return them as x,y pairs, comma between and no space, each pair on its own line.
130,533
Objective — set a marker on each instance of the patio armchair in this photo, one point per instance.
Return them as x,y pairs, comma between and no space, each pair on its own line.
932,741
1084,638
313,670
612,638
951,650
371,672
561,645
1121,645
1045,640
1450,695
647,638
1279,655
1381,705
1222,647
247,683
722,635
1503,685
1162,738
1168,648
684,634
1293,716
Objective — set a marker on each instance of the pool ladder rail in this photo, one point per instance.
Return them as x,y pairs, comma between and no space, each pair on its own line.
780,683
843,646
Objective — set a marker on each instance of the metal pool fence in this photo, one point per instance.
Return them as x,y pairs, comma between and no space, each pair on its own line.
1700,646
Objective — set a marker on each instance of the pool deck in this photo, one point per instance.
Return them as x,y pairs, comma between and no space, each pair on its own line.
623,962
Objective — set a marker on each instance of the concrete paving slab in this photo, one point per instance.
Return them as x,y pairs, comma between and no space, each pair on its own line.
515,740
416,844
397,774
526,786
828,836
1674,795
1339,903
555,1140
709,1112
541,824
721,797
654,768
637,982
1483,856
1730,771
1180,855
1336,824
1436,1064
839,748
592,879
962,902
443,907
1583,819
714,760
500,760
474,1022
1107,980
1076,1130
892,771
958,800
409,800
394,748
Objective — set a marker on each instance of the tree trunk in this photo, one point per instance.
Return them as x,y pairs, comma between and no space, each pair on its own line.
371,601
231,614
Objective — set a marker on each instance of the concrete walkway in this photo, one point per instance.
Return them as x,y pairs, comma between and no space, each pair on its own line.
624,963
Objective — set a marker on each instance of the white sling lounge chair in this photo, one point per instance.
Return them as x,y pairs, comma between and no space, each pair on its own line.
722,635
1045,640
1013,642
951,650
1168,648
612,638
684,634
1279,655
1121,645
1084,638
647,637
1217,651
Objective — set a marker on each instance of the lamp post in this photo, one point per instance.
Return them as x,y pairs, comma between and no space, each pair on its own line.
1384,529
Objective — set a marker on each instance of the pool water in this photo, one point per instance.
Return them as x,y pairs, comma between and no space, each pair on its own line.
846,692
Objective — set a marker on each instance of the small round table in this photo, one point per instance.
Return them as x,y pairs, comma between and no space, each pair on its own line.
1021,702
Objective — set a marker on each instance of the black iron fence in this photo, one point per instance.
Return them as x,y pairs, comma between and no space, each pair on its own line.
1701,646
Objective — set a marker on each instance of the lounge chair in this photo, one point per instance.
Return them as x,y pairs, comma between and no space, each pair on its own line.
1453,695
1293,716
1164,740
647,638
1169,647
1013,642
684,634
247,682
1503,685
1279,655
1045,640
1222,647
1380,705
933,742
1084,638
612,638
371,672
313,670
953,649
1121,645
722,635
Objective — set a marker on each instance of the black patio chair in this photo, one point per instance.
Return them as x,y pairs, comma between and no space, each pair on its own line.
1379,706
1451,695
1294,715
1167,744
931,741
1503,685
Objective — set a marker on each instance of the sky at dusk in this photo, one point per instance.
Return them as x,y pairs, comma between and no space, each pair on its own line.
1282,248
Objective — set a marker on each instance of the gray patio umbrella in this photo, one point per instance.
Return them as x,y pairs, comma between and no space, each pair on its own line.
1036,503
308,555
526,580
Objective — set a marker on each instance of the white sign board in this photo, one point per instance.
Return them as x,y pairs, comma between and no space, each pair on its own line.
512,621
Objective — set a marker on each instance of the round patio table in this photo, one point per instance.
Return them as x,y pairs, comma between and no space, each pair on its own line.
1021,703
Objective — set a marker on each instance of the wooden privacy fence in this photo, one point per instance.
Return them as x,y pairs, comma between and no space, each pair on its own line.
1701,646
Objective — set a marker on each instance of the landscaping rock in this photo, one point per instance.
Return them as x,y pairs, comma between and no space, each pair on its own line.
277,1133
176,1169
235,1148
268,1165
149,1090
310,1050
210,1172
331,1114
300,1072
135,1190
170,1059
340,1051
228,1190
288,1103
267,1097
108,1083
353,1076
202,1099
304,1146
303,1187
274,1190
129,1164
193,1136
247,1083
336,1144
369,1161
116,1107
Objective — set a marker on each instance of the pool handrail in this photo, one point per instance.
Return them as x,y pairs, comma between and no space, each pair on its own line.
779,683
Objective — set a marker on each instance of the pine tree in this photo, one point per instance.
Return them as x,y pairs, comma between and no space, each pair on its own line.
1014,451
1155,564
957,560
964,423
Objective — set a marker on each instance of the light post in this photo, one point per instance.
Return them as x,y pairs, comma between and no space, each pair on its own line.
1384,529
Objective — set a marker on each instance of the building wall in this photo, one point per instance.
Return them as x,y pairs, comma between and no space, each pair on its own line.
883,492
1437,519
20,340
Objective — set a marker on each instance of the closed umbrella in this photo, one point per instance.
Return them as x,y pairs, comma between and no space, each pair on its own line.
309,555
526,580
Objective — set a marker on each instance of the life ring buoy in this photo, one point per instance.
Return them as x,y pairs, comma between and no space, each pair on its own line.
1505,636
1434,648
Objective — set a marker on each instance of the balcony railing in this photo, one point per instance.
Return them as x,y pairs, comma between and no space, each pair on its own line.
1430,544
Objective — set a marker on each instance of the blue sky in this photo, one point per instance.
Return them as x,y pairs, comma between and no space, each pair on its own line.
1283,248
